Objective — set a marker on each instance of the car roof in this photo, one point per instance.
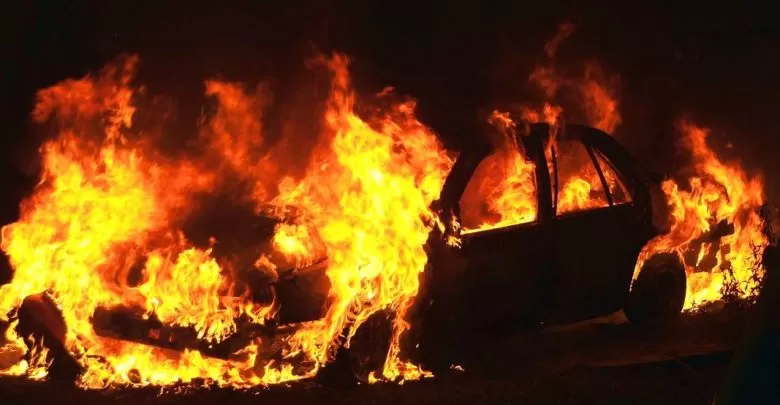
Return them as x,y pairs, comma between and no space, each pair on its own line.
537,135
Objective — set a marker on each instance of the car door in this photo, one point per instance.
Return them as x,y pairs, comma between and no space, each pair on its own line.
504,212
598,229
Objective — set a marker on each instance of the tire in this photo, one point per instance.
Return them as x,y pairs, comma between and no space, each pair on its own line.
368,348
366,353
41,321
659,290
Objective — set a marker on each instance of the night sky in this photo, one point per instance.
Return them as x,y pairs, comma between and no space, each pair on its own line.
718,65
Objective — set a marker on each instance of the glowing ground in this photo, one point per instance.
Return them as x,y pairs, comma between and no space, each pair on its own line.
682,362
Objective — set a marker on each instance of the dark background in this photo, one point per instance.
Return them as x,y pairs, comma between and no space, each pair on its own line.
714,63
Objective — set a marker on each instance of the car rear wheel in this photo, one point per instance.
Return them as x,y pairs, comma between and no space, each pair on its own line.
659,290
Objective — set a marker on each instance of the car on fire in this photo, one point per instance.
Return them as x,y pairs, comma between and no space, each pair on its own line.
559,267
564,265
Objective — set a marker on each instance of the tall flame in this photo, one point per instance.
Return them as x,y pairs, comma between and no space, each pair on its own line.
109,206
368,192
510,197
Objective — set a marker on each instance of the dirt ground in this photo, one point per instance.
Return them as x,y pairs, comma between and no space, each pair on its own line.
692,382
599,362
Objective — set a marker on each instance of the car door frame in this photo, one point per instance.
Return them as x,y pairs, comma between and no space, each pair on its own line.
638,209
448,207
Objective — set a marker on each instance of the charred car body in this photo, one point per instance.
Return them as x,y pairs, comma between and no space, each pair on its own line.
561,266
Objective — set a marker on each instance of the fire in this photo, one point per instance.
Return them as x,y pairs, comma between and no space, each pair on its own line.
502,191
715,195
593,92
104,228
715,192
367,192
509,198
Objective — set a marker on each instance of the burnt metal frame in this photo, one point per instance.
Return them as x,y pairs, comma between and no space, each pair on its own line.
534,145
467,163
604,184
555,179
593,160
618,175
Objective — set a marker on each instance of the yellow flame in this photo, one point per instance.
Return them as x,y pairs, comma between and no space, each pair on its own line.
110,206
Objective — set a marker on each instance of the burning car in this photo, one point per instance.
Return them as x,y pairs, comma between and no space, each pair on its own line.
563,258
383,238
574,244
567,247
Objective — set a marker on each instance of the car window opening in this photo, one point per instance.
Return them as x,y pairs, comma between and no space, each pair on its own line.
501,193
617,189
578,182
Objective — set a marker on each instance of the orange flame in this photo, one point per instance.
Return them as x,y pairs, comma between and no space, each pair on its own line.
107,203
595,94
494,201
367,192
502,191
110,206
716,191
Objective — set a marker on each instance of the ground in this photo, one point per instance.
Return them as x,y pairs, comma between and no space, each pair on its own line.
601,361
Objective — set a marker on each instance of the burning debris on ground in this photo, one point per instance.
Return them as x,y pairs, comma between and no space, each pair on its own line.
362,249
